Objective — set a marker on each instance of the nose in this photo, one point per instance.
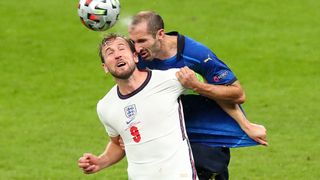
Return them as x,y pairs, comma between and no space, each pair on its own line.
138,48
117,54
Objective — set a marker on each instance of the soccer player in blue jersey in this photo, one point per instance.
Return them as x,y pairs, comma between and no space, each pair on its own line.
214,118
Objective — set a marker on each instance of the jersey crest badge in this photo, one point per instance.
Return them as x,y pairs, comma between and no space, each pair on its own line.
130,112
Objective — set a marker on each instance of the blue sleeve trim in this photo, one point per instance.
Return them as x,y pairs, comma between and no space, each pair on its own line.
232,81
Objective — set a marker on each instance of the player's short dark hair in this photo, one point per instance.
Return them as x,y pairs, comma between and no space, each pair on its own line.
112,37
154,21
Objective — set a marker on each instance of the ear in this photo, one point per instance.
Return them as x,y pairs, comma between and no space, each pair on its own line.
135,57
104,66
160,34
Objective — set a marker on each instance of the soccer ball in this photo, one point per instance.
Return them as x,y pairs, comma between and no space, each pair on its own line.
99,15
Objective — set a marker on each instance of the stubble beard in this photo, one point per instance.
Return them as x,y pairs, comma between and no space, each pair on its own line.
123,75
153,52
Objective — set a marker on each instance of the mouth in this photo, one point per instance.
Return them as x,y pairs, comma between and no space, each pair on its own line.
144,54
120,64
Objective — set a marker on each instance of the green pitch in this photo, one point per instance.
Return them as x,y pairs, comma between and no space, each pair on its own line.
51,80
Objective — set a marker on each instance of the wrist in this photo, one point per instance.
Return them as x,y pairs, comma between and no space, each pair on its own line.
198,87
246,127
103,162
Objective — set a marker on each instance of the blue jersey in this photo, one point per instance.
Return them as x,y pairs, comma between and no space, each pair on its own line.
206,121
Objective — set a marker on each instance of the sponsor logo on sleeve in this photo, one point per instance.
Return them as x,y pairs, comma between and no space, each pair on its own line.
217,78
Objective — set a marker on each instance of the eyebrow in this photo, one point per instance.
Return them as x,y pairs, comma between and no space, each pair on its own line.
120,44
108,48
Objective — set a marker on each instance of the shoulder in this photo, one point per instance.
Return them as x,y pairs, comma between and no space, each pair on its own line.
166,81
195,48
165,74
196,53
164,78
108,98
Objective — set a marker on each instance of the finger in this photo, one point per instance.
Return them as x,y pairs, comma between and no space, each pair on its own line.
83,165
183,70
83,159
188,70
262,141
90,168
87,172
88,156
179,75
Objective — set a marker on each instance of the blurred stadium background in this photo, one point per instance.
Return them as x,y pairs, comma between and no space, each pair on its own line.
51,80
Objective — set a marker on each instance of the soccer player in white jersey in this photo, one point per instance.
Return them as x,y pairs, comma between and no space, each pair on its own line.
143,109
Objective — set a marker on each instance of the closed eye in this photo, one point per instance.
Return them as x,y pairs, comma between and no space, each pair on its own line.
121,47
141,40
109,52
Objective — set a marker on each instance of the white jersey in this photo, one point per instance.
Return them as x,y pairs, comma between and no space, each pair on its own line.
150,122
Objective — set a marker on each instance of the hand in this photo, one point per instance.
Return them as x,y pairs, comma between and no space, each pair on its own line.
121,143
258,133
187,78
89,163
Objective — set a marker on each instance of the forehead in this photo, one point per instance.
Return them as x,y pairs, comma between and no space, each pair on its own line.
139,30
115,42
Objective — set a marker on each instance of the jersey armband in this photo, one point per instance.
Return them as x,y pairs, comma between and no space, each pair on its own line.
192,92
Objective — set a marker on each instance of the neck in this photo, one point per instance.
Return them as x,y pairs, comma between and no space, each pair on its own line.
168,47
127,86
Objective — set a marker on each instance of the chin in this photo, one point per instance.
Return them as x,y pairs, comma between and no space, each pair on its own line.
122,76
149,58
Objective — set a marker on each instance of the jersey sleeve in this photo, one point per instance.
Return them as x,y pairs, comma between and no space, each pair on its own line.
202,60
215,71
109,129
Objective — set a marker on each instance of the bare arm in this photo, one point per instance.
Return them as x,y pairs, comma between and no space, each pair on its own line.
113,153
223,95
255,131
231,94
